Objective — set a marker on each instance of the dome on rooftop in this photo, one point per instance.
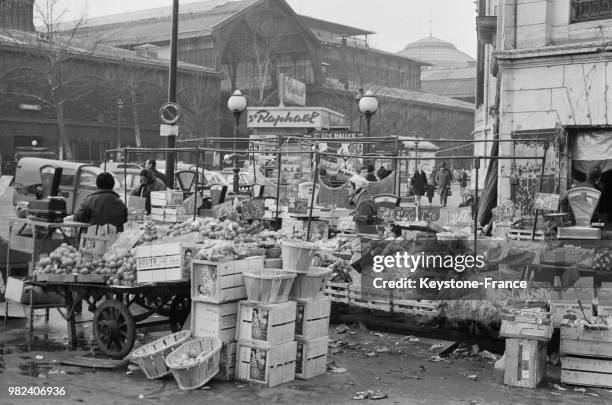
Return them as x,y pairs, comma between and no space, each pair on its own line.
441,54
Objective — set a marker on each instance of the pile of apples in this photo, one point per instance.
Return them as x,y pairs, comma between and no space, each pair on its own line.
126,272
191,358
152,232
62,260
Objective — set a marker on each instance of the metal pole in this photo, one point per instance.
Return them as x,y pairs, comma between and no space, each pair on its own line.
368,118
172,90
475,212
314,189
197,174
236,170
535,220
278,176
125,152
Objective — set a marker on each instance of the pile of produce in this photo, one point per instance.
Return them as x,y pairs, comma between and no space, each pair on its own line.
62,260
152,232
126,272
602,261
191,358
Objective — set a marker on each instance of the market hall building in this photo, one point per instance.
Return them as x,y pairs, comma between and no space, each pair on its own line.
109,96
252,41
550,76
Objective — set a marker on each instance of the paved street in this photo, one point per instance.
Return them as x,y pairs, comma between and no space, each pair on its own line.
399,368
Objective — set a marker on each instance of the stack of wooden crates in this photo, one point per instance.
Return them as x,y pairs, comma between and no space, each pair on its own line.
527,332
311,331
586,355
216,289
167,206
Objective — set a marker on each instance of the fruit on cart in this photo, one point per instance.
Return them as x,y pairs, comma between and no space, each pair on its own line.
603,261
61,261
124,273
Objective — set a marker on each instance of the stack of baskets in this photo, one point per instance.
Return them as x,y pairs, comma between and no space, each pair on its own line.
192,361
265,331
312,310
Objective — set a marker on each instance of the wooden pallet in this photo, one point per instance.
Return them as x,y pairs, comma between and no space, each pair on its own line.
525,234
338,292
360,299
417,307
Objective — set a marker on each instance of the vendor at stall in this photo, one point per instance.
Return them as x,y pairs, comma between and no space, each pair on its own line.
593,180
148,183
104,206
366,215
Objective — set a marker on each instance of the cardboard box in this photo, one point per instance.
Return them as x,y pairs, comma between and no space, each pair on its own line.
525,362
604,294
583,290
311,357
217,320
267,365
220,282
272,324
312,318
227,362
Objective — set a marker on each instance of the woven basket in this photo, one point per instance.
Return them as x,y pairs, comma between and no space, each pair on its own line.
297,254
268,286
152,357
196,375
309,284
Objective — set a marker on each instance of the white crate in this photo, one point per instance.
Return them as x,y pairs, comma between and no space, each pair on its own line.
217,320
163,262
268,324
221,281
312,318
267,365
311,357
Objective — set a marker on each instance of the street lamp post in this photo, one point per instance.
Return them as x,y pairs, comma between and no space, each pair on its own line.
237,103
119,110
368,105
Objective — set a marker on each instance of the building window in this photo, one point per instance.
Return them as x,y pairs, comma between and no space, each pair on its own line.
588,10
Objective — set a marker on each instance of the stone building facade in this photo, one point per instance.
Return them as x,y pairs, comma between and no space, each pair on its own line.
108,94
252,41
545,74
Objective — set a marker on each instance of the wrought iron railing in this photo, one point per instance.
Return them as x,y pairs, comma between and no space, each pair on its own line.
588,10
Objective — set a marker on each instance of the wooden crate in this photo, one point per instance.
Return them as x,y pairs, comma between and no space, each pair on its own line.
526,330
587,371
604,310
227,362
312,318
338,292
311,357
220,282
525,364
267,365
586,342
168,197
169,214
163,262
370,301
269,324
417,307
563,311
525,234
95,242
217,320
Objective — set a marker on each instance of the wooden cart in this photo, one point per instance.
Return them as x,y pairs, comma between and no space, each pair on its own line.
114,323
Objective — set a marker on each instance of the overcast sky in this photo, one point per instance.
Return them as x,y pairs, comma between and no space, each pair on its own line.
396,22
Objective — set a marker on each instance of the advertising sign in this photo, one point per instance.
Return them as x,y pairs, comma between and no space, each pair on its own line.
293,117
293,90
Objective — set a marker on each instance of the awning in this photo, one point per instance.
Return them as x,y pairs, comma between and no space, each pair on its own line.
592,148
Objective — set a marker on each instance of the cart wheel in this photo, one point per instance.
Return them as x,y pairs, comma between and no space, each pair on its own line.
114,329
179,311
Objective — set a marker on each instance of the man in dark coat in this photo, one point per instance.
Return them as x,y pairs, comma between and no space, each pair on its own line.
150,165
370,176
443,178
103,207
148,183
419,184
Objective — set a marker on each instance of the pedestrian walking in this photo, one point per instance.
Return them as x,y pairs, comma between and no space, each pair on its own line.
462,181
419,184
443,178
